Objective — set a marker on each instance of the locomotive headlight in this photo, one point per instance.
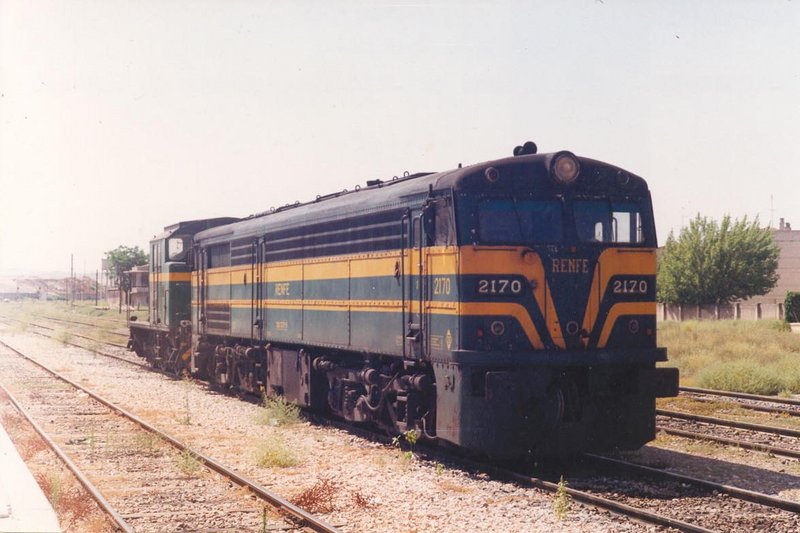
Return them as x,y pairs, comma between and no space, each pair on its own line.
565,167
497,327
491,174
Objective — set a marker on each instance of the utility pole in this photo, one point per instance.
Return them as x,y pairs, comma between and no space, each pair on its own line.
71,278
96,286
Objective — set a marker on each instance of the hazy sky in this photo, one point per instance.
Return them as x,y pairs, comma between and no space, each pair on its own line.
120,117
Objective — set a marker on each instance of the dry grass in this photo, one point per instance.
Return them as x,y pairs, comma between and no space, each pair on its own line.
276,411
758,357
274,452
360,501
10,420
189,463
450,486
30,445
71,501
62,336
144,442
319,498
727,409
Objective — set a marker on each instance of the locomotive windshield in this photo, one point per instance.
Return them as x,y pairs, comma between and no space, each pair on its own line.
553,221
512,220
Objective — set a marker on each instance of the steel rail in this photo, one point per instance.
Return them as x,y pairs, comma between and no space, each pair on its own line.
98,352
284,506
93,491
739,493
72,333
87,324
743,395
548,486
785,452
759,408
594,500
729,423
120,322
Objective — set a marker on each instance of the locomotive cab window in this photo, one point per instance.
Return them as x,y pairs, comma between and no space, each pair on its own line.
626,223
176,249
614,222
520,221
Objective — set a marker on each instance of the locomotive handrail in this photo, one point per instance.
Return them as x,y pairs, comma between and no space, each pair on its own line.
403,219
420,280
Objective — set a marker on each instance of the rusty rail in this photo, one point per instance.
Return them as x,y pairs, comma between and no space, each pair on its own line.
93,491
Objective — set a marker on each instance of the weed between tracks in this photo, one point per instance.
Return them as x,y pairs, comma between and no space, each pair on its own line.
62,336
319,497
75,509
276,411
274,452
147,443
562,501
189,463
186,418
68,501
322,497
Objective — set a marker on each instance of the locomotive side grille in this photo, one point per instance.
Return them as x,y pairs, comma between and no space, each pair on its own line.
218,316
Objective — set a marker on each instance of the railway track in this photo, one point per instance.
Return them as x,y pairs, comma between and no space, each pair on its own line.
595,497
136,361
757,437
753,402
121,325
665,492
111,514
151,485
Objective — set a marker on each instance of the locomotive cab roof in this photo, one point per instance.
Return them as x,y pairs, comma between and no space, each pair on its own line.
193,226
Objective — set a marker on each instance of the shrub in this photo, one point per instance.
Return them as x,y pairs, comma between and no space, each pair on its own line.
319,498
561,503
274,451
742,376
791,307
276,411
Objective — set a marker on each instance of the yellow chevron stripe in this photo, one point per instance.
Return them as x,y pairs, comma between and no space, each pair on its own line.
515,310
621,309
612,262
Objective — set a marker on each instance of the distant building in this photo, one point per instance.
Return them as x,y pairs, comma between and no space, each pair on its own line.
788,265
140,286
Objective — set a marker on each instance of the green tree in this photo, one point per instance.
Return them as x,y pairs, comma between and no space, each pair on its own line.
717,263
121,259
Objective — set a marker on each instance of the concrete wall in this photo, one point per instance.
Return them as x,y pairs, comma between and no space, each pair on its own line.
737,311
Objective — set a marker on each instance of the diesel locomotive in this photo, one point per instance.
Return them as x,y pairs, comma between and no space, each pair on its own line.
507,307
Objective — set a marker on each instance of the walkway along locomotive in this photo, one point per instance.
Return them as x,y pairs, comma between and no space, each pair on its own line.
506,307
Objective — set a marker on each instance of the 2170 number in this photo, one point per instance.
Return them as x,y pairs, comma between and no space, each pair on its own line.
499,286
630,286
